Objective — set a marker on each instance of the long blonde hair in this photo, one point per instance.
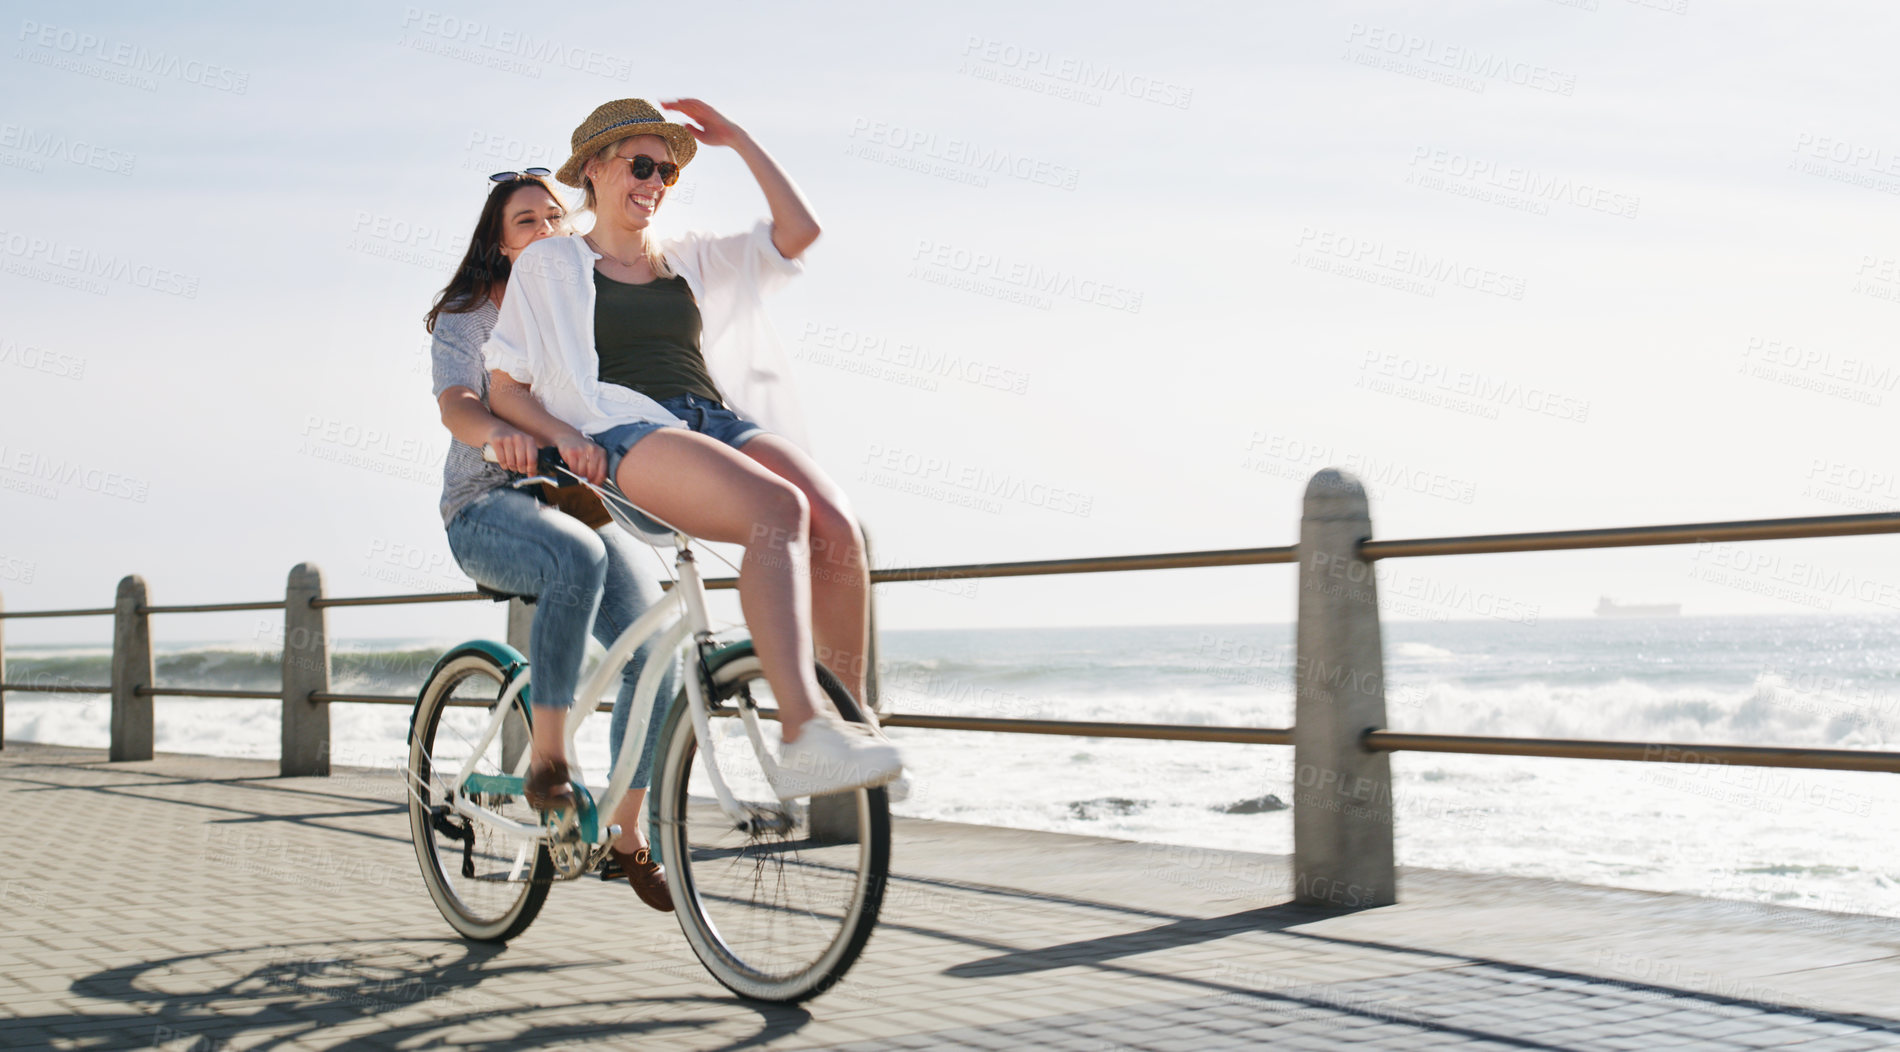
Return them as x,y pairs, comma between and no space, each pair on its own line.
655,258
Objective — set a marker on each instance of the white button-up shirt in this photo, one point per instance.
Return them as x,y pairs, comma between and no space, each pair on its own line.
544,336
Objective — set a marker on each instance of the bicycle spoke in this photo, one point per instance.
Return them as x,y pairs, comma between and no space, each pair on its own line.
778,909
487,882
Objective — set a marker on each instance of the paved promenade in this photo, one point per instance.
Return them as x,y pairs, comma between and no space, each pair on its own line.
194,903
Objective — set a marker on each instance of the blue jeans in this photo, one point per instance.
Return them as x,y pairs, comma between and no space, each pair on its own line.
581,578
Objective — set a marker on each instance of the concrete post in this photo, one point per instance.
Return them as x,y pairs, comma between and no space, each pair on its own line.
1342,792
306,724
131,669
514,736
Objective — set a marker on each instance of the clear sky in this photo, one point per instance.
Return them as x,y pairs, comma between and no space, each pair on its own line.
1099,278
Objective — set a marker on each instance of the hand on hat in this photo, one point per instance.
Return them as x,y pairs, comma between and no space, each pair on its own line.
713,129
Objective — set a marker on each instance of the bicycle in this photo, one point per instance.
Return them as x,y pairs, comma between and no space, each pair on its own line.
776,898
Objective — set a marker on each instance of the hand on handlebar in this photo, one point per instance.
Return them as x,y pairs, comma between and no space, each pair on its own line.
584,457
513,449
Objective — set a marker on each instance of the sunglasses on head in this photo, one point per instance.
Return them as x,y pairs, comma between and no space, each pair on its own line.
502,177
644,167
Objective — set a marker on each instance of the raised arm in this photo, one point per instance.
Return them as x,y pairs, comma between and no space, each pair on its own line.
794,228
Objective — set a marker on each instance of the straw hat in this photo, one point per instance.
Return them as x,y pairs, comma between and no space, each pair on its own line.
624,119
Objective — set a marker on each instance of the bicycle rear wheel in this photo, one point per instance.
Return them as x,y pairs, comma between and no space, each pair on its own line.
488,883
775,909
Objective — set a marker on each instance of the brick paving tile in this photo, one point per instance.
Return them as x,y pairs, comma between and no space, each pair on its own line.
276,927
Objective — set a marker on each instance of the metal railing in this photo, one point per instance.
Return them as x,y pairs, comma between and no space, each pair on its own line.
1342,792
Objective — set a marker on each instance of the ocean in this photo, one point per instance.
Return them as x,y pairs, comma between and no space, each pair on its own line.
1808,838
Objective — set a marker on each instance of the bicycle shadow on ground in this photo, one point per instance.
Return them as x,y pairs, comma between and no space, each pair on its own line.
428,991
1442,992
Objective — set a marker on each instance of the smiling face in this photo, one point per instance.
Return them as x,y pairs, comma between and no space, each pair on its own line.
530,215
618,196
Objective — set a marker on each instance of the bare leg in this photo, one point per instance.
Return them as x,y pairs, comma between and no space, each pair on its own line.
708,489
627,817
840,580
549,741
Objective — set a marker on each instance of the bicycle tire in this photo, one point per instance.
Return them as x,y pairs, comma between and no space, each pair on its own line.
749,902
485,903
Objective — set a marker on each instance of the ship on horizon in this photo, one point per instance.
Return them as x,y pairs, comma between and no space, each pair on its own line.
1607,607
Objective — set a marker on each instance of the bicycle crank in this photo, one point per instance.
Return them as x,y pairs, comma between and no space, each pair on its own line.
571,833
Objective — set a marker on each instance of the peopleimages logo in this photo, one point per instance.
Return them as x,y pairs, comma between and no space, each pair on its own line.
34,465
40,145
935,476
1457,59
1070,77
53,363
991,160
1420,267
512,43
1484,387
84,266
1030,278
1293,458
128,58
1512,185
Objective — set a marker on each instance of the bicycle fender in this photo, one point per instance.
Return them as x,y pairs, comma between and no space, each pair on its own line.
510,660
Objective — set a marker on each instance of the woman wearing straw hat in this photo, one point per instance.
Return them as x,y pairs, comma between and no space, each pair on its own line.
649,360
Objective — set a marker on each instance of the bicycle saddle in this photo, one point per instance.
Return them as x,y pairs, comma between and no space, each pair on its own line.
500,596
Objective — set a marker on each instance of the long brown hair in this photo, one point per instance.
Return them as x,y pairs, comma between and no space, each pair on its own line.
483,266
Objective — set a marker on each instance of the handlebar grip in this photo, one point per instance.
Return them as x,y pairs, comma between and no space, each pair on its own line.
546,460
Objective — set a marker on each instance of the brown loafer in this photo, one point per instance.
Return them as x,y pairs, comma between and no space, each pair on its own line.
547,787
647,877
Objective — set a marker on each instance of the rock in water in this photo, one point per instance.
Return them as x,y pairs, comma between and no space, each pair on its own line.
1102,807
1259,805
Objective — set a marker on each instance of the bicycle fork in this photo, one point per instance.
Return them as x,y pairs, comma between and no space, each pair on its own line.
699,701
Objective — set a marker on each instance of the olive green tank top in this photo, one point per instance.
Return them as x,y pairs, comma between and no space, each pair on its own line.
647,338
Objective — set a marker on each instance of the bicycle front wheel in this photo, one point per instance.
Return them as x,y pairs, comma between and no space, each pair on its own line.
488,883
777,907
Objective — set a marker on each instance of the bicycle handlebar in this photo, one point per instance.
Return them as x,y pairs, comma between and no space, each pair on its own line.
547,461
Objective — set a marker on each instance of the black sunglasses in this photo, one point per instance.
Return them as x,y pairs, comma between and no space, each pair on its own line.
644,167
502,177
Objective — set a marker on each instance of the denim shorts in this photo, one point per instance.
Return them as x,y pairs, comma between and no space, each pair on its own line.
700,413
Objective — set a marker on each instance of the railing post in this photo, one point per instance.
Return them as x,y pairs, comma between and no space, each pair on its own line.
306,725
514,737
3,672
1342,792
131,670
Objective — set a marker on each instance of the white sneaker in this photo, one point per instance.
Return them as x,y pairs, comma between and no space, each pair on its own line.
826,759
898,789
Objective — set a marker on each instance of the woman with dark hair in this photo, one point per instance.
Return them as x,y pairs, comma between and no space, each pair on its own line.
582,570
598,348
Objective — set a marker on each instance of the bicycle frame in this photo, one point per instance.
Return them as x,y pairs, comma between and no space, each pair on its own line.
672,629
